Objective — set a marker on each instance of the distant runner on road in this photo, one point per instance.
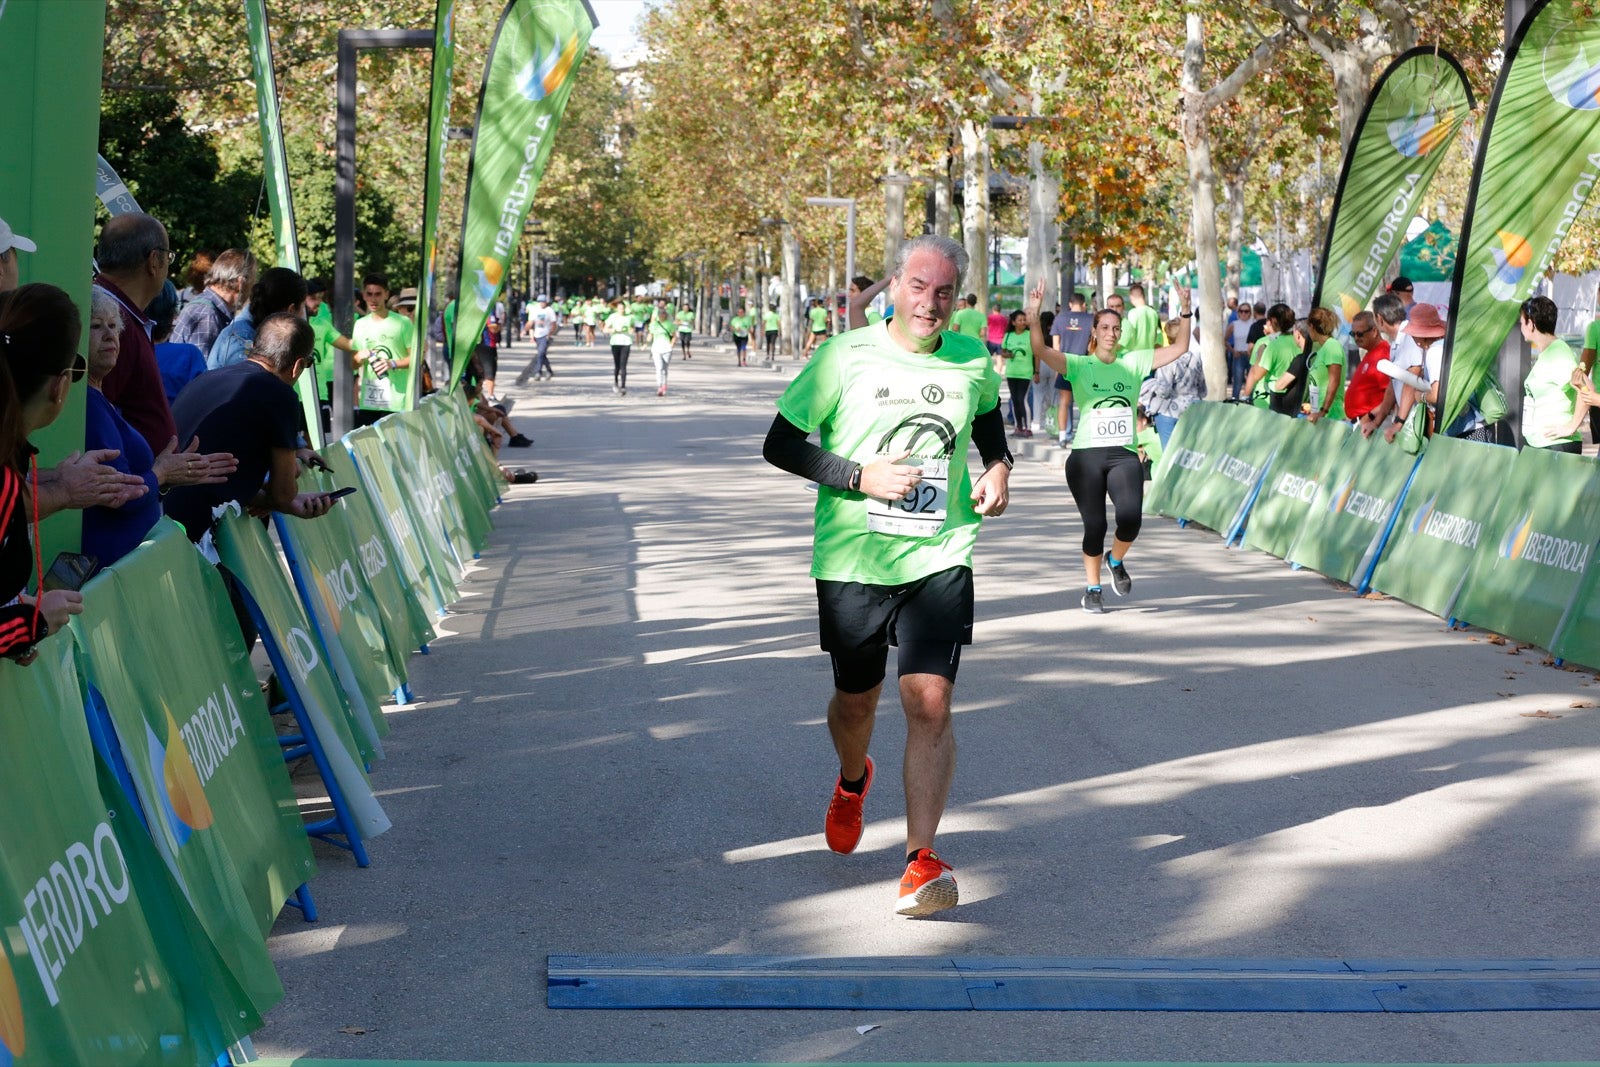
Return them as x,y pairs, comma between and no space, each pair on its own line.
897,516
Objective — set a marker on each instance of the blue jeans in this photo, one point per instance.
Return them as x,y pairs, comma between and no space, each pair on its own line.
1164,425
1238,371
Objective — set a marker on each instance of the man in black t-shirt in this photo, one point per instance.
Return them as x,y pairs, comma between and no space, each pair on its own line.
251,410
1071,332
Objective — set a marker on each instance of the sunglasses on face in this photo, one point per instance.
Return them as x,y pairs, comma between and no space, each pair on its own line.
79,368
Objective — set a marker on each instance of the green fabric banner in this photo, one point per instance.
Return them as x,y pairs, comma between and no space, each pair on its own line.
1309,450
1343,528
444,60
334,570
526,81
1538,161
422,544
280,198
101,961
469,449
465,481
1239,453
1185,461
418,474
1578,635
1413,114
244,549
1531,565
164,651
50,63
1443,522
482,455
401,583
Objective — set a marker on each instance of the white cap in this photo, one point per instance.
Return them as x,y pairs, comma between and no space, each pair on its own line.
10,240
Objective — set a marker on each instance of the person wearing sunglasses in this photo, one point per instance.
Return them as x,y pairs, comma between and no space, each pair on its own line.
1368,384
134,257
39,332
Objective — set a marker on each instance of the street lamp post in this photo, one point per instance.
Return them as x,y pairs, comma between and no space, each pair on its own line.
849,205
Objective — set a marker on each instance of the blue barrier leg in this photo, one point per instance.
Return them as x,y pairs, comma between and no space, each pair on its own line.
425,650
1559,661
302,900
404,695
1183,523
1363,586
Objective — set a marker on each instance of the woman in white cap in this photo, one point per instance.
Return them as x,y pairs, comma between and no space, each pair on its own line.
10,244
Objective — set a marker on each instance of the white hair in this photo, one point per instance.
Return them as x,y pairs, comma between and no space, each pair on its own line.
103,303
948,248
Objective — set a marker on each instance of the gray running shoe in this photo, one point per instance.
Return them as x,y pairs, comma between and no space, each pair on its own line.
1092,602
1120,580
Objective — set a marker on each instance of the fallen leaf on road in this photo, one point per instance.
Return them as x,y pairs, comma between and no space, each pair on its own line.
1505,694
356,1029
1496,639
1186,690
1540,714
1310,618
1583,704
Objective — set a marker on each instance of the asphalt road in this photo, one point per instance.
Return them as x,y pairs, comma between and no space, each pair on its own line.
621,749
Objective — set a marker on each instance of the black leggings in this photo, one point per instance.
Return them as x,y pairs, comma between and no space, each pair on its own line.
683,339
1020,415
1093,472
619,364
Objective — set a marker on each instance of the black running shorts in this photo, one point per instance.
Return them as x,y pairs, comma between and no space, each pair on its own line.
928,620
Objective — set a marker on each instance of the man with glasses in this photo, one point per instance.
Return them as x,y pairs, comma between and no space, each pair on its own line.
134,260
1368,384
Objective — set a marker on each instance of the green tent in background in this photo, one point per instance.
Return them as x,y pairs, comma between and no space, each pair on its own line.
1249,270
1430,256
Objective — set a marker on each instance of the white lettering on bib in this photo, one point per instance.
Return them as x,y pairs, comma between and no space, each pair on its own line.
1110,426
921,512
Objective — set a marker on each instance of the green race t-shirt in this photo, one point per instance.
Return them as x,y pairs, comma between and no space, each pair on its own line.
685,319
1329,354
770,320
819,319
1150,440
390,338
1548,398
1018,348
1591,336
740,325
874,315
1106,394
869,397
1276,355
620,326
322,325
970,322
1141,329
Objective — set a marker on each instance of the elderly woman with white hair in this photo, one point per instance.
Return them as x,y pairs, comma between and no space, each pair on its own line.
111,533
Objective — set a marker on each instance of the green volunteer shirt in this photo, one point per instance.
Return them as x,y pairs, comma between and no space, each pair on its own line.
322,325
390,337
874,315
1591,336
1018,348
970,322
1106,394
1149,440
869,397
1276,355
1548,398
1141,329
685,320
1329,354
740,325
770,320
620,326
819,319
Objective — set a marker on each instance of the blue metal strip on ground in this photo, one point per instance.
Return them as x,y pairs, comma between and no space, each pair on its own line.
1047,984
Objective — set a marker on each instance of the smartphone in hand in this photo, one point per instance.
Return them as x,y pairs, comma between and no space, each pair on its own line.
69,570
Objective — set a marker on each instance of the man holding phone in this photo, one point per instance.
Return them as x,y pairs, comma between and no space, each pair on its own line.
252,411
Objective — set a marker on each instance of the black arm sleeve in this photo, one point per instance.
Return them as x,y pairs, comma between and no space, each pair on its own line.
989,434
789,449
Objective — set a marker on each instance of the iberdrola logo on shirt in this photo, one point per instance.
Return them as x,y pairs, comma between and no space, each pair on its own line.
916,433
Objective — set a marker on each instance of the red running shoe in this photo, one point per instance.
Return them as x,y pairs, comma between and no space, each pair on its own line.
842,827
929,885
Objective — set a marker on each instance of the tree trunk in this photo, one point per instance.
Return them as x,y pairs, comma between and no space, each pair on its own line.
943,196
1203,198
1235,183
1069,269
1044,236
975,207
788,308
894,213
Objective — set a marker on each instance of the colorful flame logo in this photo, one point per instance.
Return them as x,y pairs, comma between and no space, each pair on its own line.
1517,539
1350,306
1417,135
13,1037
330,602
1341,495
183,799
488,281
1424,513
545,72
1511,260
1577,83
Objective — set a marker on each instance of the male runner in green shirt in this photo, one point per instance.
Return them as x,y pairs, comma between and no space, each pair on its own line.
1141,327
739,326
770,322
384,340
970,322
897,404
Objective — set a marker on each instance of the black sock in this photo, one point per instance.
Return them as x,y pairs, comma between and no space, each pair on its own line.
857,786
911,857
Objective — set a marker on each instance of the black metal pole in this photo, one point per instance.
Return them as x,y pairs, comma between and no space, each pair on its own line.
351,42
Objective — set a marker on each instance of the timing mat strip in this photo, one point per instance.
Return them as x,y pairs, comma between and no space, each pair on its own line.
899,983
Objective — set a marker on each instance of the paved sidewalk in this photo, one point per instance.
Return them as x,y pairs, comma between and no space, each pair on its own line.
621,749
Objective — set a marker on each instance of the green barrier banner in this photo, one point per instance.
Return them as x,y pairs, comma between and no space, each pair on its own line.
1343,528
526,81
401,583
1578,634
421,545
244,549
1309,451
444,61
466,482
443,530
1415,110
334,572
456,424
1442,522
1538,161
166,655
441,482
1246,439
50,64
1185,461
1531,564
101,961
280,198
